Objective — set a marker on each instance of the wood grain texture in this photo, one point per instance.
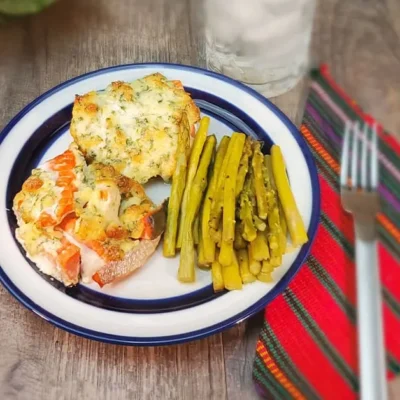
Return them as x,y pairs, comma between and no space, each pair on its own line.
359,39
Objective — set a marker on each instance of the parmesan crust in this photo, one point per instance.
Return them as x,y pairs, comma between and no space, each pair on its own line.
134,126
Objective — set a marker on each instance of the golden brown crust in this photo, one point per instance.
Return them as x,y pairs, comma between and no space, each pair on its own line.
115,231
32,184
122,89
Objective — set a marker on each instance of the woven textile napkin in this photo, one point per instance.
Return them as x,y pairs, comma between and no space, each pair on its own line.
307,348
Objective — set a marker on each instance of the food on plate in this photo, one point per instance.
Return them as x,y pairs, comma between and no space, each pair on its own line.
226,254
245,274
239,241
84,215
134,259
273,219
218,199
259,247
294,221
246,214
196,236
137,127
194,160
201,260
216,273
265,273
283,232
254,265
47,196
231,274
209,245
259,176
77,220
177,190
244,165
186,271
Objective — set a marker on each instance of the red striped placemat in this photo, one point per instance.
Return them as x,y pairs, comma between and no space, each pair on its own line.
307,348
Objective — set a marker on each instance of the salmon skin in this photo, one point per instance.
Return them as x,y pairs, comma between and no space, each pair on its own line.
133,260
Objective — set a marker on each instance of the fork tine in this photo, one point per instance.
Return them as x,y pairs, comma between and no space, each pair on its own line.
374,158
345,155
364,169
354,155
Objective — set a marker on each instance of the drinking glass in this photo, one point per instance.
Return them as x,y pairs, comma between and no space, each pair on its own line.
263,43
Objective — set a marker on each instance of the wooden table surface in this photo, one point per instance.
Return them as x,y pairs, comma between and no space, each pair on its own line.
360,41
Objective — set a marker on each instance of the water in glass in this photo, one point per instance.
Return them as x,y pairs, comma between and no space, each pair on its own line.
263,43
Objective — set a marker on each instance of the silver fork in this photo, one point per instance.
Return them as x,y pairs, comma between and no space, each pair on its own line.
359,184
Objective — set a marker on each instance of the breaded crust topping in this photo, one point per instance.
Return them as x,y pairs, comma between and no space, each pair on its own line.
135,127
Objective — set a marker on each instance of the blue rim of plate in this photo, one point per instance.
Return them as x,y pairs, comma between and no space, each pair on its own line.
201,333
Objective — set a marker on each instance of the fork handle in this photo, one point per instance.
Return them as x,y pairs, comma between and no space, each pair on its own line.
373,385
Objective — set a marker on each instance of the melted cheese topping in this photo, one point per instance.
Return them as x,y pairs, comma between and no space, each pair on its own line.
135,127
105,201
91,262
46,193
43,200
42,249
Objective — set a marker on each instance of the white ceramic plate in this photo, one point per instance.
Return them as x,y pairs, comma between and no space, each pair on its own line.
151,307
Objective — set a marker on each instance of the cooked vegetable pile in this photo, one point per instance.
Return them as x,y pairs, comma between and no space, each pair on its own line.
231,210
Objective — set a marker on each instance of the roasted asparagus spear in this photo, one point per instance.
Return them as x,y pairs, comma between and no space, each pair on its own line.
294,221
259,185
274,236
246,275
229,201
218,200
254,265
178,187
248,229
195,154
186,271
259,247
231,274
265,274
283,238
259,223
196,225
208,242
201,260
217,278
239,242
276,261
244,165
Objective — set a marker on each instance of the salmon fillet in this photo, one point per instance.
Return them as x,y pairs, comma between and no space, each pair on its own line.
76,218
